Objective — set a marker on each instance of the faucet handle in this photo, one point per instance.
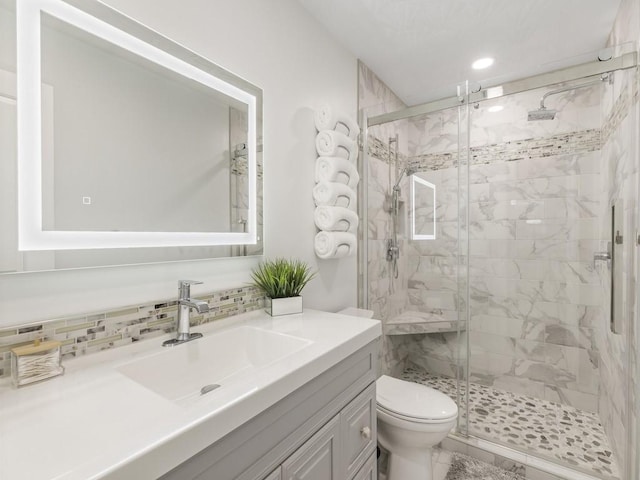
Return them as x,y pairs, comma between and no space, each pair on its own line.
184,287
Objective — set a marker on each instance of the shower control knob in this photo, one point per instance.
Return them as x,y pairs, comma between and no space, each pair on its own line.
365,432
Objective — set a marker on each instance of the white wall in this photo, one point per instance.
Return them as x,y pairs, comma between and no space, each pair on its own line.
279,47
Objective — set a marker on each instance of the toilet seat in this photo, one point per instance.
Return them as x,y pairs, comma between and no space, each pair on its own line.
413,402
414,419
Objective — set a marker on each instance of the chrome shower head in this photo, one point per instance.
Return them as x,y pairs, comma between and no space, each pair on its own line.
542,114
405,171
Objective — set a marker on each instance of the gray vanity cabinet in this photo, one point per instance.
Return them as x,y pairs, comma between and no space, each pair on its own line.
369,470
324,430
318,458
275,475
340,448
358,430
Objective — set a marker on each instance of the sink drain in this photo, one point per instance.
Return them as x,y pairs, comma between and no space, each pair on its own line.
208,388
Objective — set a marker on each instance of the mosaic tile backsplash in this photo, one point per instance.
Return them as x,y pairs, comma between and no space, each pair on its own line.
91,333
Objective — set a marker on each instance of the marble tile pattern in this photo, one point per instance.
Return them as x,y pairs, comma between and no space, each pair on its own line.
572,436
386,294
538,210
413,322
438,132
94,332
533,204
618,359
617,350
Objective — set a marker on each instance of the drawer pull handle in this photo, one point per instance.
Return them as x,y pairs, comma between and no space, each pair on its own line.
366,433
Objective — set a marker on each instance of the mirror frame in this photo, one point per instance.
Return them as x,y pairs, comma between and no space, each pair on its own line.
414,181
113,27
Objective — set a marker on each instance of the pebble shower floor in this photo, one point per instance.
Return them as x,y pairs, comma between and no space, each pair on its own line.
541,427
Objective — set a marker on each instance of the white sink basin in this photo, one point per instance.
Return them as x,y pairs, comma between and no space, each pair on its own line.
179,373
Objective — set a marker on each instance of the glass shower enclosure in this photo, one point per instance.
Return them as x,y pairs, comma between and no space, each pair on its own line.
498,250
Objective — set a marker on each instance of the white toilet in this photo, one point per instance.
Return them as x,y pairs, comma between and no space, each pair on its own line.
412,419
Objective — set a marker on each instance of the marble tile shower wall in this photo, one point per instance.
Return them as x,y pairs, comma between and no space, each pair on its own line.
620,153
535,298
620,175
91,333
386,295
538,322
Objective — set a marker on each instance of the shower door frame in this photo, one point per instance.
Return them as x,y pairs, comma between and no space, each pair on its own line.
463,100
479,94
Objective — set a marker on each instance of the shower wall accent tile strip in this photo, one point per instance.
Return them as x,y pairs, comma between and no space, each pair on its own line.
533,148
91,333
380,150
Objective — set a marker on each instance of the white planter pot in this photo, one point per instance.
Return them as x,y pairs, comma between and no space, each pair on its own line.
283,306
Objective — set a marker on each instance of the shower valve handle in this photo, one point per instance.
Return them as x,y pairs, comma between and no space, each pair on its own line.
601,256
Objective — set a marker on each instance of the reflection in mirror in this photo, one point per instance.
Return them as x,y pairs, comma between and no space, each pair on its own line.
125,141
423,209
164,165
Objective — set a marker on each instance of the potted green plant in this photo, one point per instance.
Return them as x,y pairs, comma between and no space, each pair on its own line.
282,281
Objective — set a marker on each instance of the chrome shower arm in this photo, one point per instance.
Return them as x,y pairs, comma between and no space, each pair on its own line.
568,88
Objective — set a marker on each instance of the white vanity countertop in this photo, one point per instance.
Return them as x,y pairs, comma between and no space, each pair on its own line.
94,422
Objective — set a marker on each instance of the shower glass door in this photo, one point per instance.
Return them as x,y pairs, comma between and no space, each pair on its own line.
552,195
419,291
515,291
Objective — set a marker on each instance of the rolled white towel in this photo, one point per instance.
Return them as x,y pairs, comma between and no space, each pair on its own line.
335,244
334,194
327,118
337,169
336,219
330,143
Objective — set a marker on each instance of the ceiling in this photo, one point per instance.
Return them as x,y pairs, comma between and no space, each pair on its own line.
423,48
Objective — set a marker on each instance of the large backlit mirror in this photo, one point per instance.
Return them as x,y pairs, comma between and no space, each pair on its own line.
129,147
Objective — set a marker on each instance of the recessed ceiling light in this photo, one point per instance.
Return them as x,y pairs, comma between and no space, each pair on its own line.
482,63
495,108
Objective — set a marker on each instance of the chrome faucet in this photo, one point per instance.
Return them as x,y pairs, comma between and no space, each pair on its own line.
185,304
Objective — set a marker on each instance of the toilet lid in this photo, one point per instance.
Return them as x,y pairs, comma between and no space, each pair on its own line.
414,400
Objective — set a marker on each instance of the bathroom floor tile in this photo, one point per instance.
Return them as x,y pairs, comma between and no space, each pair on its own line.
463,467
539,427
457,466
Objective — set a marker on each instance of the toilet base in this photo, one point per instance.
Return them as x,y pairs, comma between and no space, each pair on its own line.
411,464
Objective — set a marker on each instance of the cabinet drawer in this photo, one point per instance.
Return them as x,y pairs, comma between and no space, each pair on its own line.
275,475
358,430
369,470
318,457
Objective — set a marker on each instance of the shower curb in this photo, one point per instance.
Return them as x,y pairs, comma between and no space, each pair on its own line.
532,467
